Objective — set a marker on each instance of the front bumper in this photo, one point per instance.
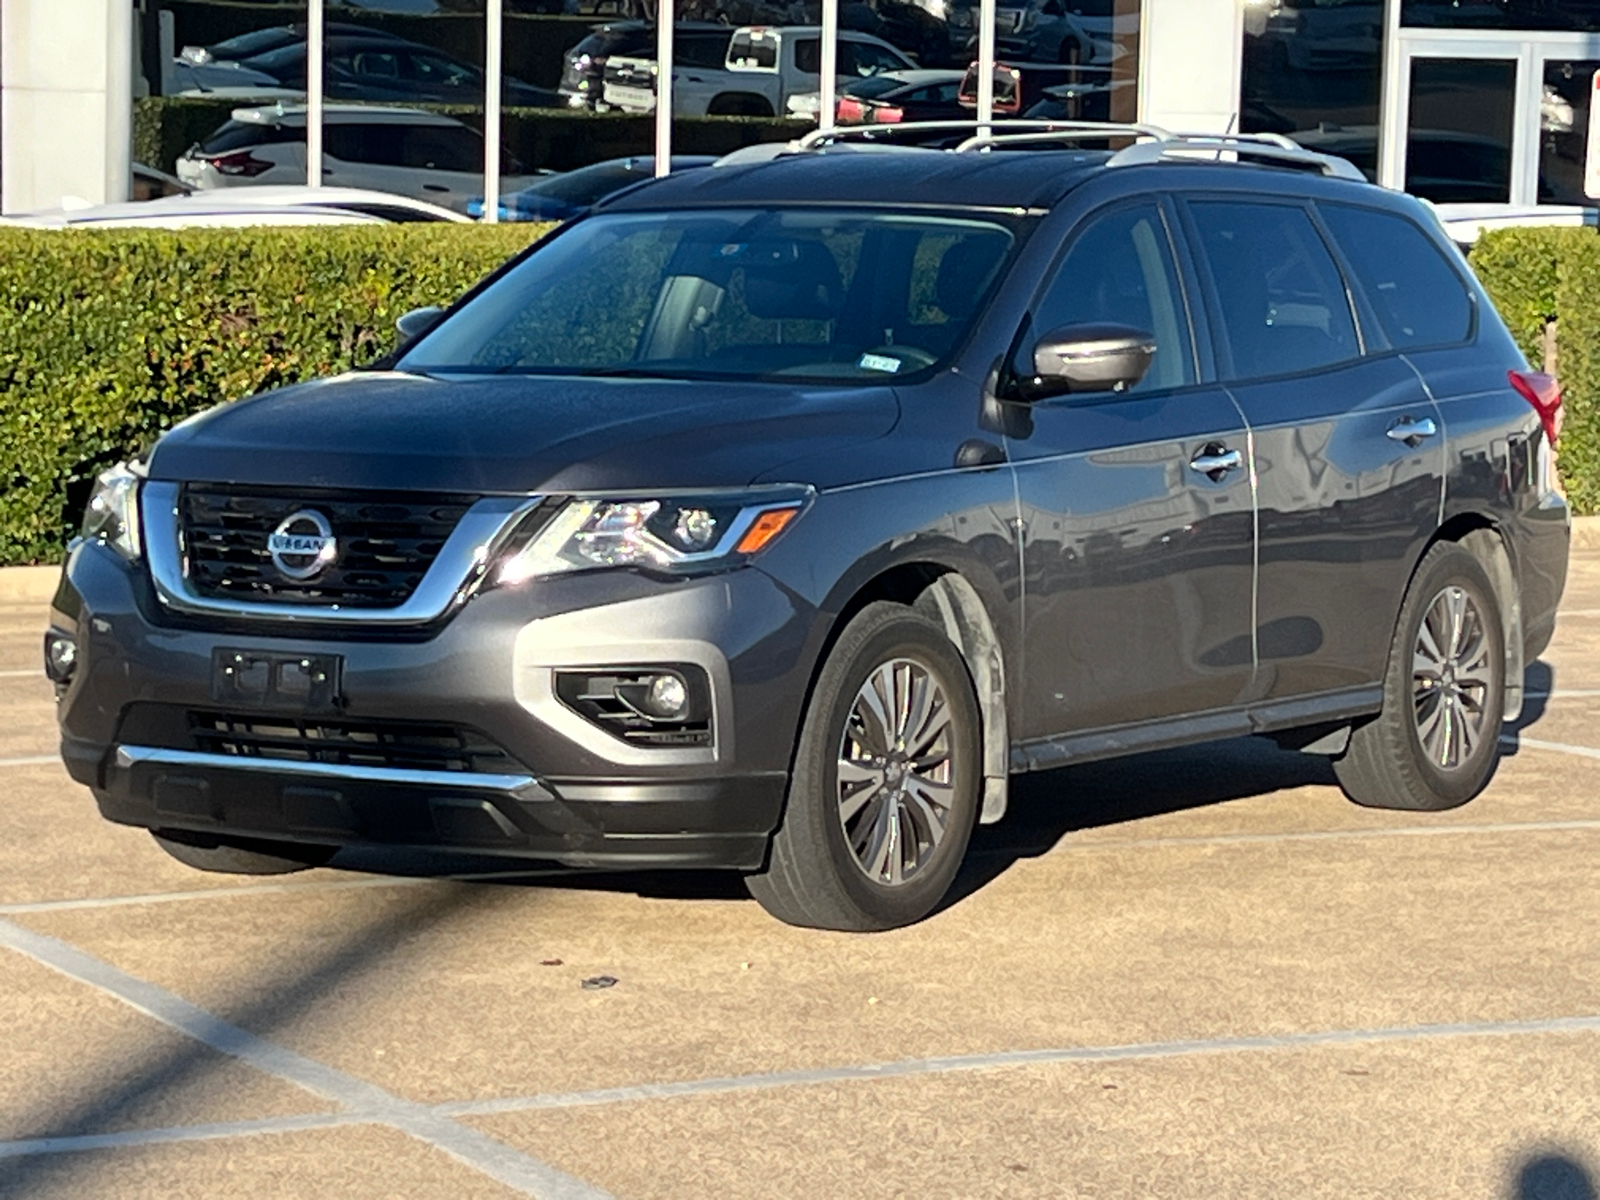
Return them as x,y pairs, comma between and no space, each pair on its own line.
567,791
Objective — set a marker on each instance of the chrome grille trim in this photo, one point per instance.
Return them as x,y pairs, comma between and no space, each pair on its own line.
133,756
480,533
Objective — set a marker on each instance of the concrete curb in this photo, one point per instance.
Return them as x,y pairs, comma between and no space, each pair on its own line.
35,585
28,585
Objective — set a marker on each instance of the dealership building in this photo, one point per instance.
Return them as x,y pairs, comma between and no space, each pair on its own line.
1457,100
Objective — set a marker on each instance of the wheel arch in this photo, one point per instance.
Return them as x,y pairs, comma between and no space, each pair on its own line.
1482,537
940,592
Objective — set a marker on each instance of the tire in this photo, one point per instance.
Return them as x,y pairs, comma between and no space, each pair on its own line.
239,856
1436,742
856,870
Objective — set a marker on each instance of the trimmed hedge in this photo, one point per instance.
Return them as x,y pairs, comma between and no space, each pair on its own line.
560,139
1539,275
109,337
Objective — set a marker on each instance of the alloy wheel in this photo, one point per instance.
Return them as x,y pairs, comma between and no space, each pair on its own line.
1452,678
896,773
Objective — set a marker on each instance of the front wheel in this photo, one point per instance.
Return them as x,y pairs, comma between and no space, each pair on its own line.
1436,741
884,792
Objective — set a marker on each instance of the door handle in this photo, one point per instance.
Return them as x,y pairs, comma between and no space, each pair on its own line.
1214,462
434,187
1412,431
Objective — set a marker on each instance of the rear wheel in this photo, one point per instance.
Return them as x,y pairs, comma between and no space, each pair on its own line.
239,856
1437,740
886,778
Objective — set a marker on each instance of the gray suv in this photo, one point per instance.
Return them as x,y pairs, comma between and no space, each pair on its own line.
773,515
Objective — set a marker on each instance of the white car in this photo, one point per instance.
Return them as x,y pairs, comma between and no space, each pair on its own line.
386,206
184,212
402,151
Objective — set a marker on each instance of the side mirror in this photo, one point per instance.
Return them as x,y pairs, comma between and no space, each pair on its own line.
417,322
1086,358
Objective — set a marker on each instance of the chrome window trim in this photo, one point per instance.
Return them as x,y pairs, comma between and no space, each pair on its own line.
133,756
472,543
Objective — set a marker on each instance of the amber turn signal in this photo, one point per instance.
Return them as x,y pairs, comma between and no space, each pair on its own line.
766,527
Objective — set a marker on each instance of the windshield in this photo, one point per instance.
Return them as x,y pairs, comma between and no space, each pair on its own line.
730,294
587,184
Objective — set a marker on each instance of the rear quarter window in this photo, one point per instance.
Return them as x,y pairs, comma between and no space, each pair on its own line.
1420,299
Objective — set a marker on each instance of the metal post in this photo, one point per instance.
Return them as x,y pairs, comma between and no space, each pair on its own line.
493,53
985,64
1393,112
119,100
828,83
314,94
664,20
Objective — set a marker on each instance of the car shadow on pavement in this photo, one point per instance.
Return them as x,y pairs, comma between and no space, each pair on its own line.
1537,684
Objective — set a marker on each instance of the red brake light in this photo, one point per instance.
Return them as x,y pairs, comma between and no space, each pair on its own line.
240,163
1544,393
849,109
888,114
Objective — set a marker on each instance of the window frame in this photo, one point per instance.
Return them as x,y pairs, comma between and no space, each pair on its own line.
1028,333
1221,345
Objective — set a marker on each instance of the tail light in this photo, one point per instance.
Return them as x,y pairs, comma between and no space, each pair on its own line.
240,163
888,114
849,109
1544,393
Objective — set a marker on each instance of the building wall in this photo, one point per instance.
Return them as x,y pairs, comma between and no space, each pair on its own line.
66,117
1190,64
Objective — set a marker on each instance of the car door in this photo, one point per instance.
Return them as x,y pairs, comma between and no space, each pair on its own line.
1136,506
1347,448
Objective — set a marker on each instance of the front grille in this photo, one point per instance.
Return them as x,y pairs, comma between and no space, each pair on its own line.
387,541
396,744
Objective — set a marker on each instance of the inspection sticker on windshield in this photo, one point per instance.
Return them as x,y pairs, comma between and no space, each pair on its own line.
879,362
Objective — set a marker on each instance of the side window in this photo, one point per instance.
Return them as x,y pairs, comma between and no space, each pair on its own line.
1419,298
808,57
754,52
377,144
1283,301
443,148
1120,270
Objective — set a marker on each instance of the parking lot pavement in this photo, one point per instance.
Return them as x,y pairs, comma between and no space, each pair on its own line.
1193,973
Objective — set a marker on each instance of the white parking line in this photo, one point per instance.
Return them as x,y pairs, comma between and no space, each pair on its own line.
1577,612
365,1100
1564,694
34,673
904,1068
31,760
1556,747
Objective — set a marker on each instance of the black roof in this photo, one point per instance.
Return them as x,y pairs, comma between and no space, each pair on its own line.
1032,179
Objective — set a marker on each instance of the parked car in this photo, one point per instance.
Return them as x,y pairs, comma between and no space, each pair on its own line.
384,69
147,183
771,515
893,97
629,80
1466,223
765,72
572,193
1087,32
583,67
259,41
403,151
1027,88
187,212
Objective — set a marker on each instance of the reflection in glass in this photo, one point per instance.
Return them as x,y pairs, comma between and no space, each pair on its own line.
1567,15
1564,130
1458,143
1312,69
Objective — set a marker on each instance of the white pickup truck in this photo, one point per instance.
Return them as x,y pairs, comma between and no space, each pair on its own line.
765,70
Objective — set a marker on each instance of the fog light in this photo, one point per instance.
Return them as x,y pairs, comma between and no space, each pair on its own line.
667,698
60,656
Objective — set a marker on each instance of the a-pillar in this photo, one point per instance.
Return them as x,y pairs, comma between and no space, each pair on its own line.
1191,55
66,117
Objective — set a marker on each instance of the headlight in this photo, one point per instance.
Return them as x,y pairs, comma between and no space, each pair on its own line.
676,534
112,517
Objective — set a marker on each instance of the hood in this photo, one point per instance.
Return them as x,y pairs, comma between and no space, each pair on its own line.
517,434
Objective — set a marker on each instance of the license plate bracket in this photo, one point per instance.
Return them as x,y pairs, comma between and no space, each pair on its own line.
275,679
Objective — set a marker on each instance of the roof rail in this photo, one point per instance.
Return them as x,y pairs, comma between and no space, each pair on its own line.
1055,131
990,131
1270,147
